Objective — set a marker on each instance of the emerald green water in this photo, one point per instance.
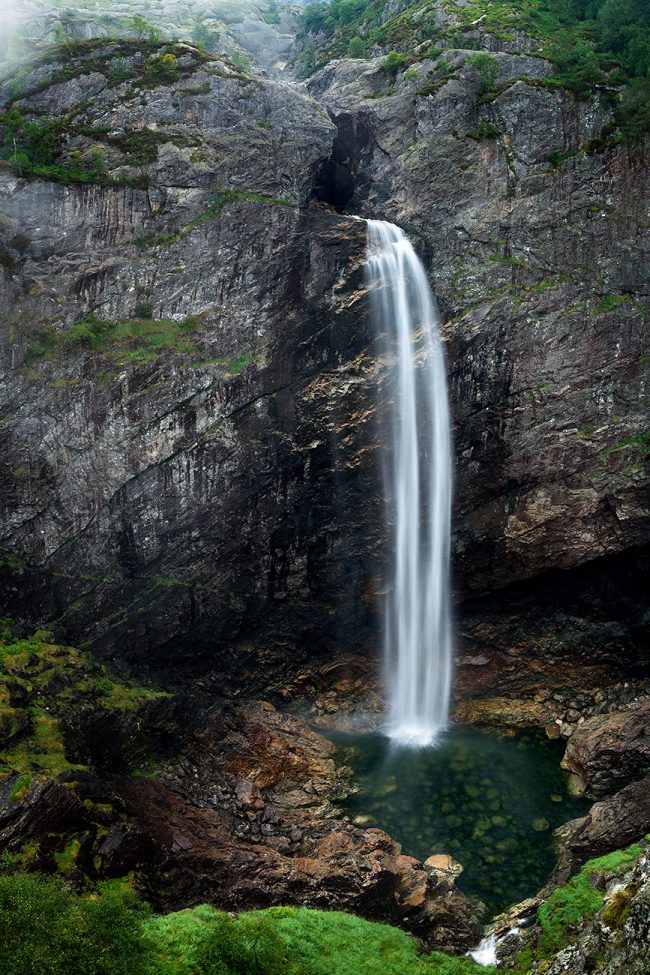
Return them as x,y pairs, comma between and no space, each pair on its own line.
490,801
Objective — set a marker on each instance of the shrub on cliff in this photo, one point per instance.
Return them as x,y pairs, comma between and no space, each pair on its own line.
393,62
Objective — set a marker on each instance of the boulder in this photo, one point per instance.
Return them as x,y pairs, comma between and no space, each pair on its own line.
608,751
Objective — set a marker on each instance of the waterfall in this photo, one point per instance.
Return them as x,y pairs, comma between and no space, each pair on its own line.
417,487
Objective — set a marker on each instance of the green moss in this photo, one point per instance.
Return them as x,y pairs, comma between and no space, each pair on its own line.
564,911
66,859
641,443
20,788
237,366
484,130
57,679
610,302
507,259
129,698
617,909
43,750
558,157
136,340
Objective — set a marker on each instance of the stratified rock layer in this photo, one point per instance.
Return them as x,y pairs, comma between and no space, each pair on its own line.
217,493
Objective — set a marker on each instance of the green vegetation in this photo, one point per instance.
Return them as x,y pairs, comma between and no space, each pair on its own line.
136,340
356,47
47,929
595,45
143,29
581,898
578,899
610,302
53,679
272,14
394,62
640,444
67,149
204,38
241,61
33,146
36,148
237,366
484,130
488,70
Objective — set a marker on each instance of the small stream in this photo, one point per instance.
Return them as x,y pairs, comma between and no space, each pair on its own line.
490,800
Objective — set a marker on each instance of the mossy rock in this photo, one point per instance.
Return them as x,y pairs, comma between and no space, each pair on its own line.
13,721
617,908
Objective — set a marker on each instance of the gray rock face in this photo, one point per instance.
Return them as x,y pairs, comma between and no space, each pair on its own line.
216,481
202,484
541,272
261,30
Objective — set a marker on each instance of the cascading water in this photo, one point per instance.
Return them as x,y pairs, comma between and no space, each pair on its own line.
417,483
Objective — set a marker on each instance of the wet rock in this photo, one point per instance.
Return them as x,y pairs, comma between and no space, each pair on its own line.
608,751
444,864
47,808
611,823
540,824
513,711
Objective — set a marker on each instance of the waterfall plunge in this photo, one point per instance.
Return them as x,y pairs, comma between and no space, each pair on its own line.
417,482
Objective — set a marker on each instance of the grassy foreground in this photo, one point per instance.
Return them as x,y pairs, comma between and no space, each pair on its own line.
48,930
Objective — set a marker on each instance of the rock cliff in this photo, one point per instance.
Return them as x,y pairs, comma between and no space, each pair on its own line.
189,448
217,478
540,269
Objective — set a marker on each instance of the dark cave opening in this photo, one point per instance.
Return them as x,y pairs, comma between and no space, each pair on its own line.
338,179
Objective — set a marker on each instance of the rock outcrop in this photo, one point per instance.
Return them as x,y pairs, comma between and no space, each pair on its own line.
608,933
240,814
610,824
610,750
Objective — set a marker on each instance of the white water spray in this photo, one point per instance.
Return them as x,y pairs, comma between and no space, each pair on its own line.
417,482
486,952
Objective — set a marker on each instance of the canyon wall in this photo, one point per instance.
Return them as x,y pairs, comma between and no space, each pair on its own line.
207,496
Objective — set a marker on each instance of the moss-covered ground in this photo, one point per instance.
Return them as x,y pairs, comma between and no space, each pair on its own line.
41,683
111,931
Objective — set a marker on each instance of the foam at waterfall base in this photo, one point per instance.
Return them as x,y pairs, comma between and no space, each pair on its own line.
414,735
486,952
